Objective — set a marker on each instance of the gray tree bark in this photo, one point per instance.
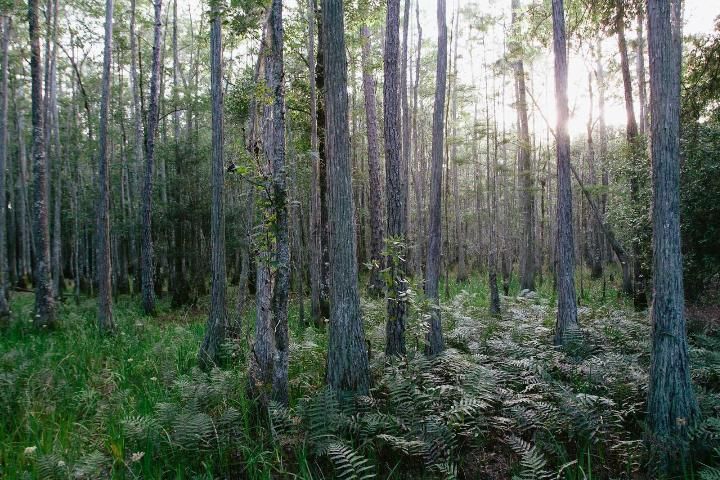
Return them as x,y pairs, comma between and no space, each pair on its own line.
672,407
274,145
104,266
435,341
396,200
526,181
209,354
347,365
147,253
376,284
4,304
45,308
567,306
315,215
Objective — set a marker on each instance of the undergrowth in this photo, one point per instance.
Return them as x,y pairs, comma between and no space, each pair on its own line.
500,403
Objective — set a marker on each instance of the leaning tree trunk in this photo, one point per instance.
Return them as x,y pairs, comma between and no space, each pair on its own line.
396,200
435,340
44,302
672,407
376,284
567,307
347,363
217,319
4,305
104,268
148,267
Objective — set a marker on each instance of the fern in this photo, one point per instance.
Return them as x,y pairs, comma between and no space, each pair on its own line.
532,461
348,464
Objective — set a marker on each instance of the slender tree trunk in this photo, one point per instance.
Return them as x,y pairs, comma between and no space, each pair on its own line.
44,302
526,178
347,365
435,340
394,185
567,305
594,239
4,305
137,130
418,160
461,274
376,284
640,274
672,407
217,319
104,267
315,216
494,303
148,257
641,78
275,153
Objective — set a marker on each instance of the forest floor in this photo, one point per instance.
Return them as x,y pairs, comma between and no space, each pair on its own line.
501,403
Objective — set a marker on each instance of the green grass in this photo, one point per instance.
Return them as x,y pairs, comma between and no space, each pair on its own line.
74,404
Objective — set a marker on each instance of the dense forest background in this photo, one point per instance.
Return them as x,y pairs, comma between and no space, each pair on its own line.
327,239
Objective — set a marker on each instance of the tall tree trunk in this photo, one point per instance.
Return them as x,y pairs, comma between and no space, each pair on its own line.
418,160
494,300
44,302
639,295
594,239
567,306
137,130
148,257
672,407
315,215
24,230
459,240
4,305
347,365
180,285
104,268
526,183
376,285
435,340
322,164
274,145
209,354
394,185
641,78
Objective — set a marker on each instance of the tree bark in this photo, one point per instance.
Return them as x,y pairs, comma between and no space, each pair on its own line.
4,305
435,341
376,284
567,306
148,257
347,365
672,407
45,308
104,266
275,153
315,215
394,185
526,179
217,319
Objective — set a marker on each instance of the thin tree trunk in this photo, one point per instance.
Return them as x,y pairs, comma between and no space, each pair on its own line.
44,302
104,267
494,303
594,239
435,340
672,407
419,161
315,216
148,257
209,354
526,178
641,78
347,365
639,295
275,153
137,130
376,284
567,306
4,305
394,185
